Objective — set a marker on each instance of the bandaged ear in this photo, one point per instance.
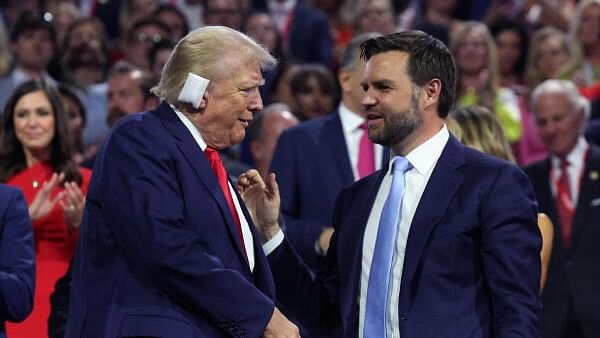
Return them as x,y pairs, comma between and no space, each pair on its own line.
193,90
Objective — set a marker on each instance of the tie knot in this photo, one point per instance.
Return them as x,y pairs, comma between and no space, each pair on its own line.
401,165
364,126
212,154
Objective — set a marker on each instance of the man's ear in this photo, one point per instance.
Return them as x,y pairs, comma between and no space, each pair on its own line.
432,91
204,101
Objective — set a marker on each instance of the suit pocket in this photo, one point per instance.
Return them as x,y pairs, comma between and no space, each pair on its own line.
156,327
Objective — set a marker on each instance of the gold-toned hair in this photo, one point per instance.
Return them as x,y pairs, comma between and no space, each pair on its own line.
487,94
480,129
213,52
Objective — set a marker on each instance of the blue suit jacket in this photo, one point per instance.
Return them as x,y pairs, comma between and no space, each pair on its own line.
312,166
471,266
309,39
159,253
17,258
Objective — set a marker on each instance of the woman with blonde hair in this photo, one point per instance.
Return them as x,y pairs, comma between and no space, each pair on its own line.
551,56
585,34
476,58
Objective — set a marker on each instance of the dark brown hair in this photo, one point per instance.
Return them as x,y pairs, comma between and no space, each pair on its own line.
12,156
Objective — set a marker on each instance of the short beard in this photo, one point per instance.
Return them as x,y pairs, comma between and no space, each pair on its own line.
397,127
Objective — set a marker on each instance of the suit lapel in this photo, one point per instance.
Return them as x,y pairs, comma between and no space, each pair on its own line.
192,153
589,190
441,187
333,141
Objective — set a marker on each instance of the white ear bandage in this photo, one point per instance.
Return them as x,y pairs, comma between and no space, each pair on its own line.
193,90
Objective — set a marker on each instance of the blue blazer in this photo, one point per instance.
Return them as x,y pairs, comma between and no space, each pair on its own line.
471,267
17,258
159,253
309,39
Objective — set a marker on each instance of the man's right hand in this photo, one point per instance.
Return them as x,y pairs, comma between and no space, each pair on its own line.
279,326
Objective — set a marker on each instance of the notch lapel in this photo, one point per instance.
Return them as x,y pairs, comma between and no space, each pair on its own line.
445,180
193,154
333,141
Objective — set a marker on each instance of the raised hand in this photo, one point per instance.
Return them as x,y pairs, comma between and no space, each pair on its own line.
73,204
43,202
262,200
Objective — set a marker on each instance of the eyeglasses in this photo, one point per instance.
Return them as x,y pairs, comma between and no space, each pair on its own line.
146,39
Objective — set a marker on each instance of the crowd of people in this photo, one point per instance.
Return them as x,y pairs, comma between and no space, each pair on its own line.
280,140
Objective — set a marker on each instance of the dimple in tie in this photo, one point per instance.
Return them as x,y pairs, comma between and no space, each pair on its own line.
219,170
366,154
381,266
564,203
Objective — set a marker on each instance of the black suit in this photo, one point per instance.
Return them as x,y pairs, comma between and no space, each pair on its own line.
574,272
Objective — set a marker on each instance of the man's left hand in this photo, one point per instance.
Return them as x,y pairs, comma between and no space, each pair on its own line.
262,200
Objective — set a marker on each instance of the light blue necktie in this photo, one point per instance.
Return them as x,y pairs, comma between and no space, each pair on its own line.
381,265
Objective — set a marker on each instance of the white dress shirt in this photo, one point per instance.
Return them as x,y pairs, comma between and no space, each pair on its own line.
280,12
351,125
423,159
576,160
246,232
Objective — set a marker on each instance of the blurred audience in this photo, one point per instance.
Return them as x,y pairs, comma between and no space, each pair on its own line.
585,32
374,16
33,42
305,31
567,187
140,39
340,153
264,131
314,91
35,156
76,121
228,13
476,59
174,18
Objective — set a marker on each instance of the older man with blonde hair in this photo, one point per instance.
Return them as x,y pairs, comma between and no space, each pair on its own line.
167,246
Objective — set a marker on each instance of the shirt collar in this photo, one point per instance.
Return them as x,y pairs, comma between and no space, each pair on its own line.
575,157
350,120
20,76
285,6
424,157
191,127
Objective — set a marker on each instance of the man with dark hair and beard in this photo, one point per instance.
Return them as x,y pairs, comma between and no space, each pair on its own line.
442,242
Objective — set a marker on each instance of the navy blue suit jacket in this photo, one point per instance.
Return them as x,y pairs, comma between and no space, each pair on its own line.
312,166
574,271
309,39
471,266
159,254
17,258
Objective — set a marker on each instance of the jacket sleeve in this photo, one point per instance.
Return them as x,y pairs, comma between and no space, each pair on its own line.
511,244
17,259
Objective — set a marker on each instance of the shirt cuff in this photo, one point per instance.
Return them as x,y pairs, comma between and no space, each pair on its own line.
273,243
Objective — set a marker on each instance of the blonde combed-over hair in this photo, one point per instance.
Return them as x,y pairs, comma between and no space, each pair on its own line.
213,52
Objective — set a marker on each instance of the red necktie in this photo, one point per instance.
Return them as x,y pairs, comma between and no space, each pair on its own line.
564,203
366,154
217,167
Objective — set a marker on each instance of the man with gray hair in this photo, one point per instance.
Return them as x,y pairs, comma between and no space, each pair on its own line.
167,247
567,186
